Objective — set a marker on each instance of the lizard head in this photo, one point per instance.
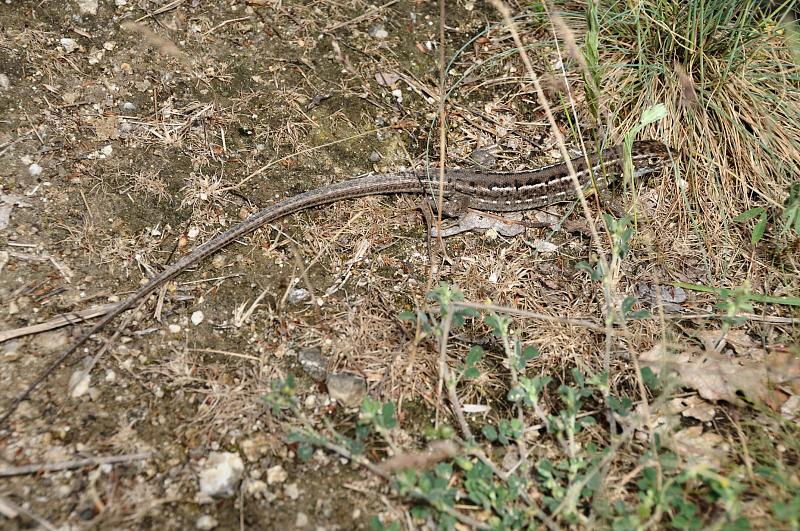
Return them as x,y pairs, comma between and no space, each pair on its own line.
649,156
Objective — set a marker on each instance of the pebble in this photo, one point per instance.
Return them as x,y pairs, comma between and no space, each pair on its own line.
298,295
222,474
79,383
255,487
88,7
255,447
347,389
310,402
69,45
378,32
292,491
313,363
34,170
484,157
276,474
10,350
5,82
197,317
544,246
398,95
206,523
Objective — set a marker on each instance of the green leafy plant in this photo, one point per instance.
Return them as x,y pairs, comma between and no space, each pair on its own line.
790,218
567,481
760,226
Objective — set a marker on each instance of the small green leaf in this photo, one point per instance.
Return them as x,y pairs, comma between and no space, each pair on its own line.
579,378
758,232
471,373
304,452
750,214
653,114
474,356
599,380
407,315
498,323
528,353
388,418
650,378
490,432
294,437
621,406
627,304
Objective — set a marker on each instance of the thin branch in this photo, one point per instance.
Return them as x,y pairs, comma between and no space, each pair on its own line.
71,465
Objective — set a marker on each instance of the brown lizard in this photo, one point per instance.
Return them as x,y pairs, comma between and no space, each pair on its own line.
488,191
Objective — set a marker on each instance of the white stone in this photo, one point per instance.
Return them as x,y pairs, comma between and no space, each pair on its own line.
88,7
292,491
69,45
206,523
35,170
276,474
197,317
222,474
255,487
79,383
543,246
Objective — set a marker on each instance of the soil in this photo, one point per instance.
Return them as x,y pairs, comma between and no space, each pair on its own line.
125,133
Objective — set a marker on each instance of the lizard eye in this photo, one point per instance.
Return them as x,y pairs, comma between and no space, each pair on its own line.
653,161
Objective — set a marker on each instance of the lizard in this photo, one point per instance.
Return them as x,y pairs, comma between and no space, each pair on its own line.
463,189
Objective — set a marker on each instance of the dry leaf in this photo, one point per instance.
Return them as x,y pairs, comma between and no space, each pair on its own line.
738,340
693,407
700,448
744,345
688,93
719,377
662,421
436,452
783,368
709,339
387,79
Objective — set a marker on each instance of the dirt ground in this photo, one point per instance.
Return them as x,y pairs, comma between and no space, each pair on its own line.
126,128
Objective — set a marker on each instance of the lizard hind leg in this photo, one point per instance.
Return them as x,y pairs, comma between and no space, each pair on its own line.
453,207
468,220
510,224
